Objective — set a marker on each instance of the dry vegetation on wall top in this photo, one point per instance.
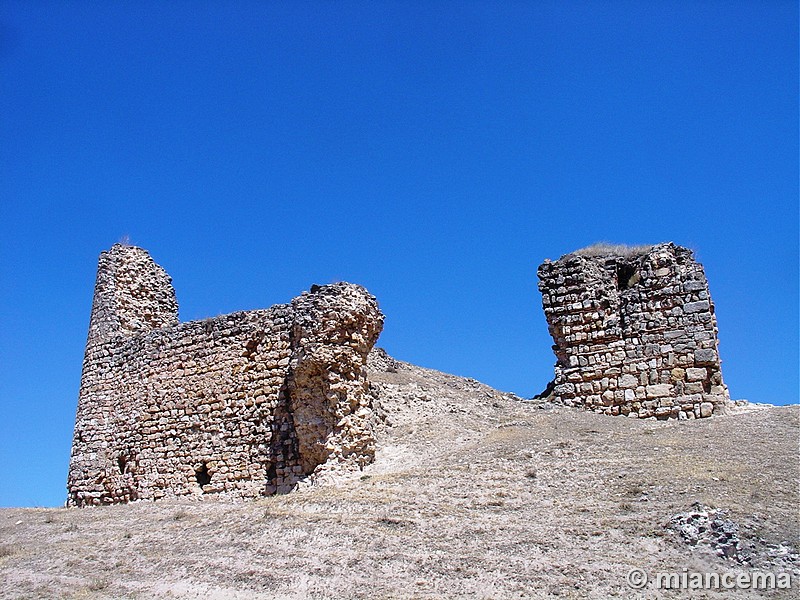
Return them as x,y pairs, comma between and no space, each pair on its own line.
606,249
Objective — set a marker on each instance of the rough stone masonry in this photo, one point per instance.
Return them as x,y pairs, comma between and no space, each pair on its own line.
246,404
634,331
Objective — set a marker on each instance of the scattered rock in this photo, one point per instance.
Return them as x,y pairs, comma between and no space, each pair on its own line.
705,526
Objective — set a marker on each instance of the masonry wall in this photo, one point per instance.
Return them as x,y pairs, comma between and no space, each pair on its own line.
244,404
634,333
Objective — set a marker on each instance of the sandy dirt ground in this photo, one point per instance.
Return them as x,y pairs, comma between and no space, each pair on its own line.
473,494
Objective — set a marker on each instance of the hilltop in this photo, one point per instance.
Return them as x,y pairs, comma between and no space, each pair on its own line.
474,493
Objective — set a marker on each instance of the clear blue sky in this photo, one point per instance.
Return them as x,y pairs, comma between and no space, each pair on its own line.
434,152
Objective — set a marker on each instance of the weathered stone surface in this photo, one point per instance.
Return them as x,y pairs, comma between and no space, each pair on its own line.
706,356
661,390
696,374
696,307
636,320
246,404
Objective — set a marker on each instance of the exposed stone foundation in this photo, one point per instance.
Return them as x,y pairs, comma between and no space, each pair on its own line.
634,332
245,404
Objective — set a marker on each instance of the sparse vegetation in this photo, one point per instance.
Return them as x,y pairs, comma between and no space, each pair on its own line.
606,248
634,490
460,508
97,584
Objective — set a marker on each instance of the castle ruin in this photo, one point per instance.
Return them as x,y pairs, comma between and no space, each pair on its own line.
247,404
634,331
251,403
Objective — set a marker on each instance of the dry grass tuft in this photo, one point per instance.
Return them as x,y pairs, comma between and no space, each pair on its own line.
97,584
606,248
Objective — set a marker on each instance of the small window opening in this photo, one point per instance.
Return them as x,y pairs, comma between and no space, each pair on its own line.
202,475
122,463
627,276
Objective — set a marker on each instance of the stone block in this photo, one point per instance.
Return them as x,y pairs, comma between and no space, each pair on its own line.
678,374
696,307
706,409
660,390
695,387
693,286
705,356
696,374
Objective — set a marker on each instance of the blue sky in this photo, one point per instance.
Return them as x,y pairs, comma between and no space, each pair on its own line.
434,152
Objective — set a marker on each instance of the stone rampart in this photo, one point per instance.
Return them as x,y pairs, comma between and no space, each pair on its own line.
245,404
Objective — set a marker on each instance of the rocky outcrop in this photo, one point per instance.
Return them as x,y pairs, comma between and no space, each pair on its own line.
244,404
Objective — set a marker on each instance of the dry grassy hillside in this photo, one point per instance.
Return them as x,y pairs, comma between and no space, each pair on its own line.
473,494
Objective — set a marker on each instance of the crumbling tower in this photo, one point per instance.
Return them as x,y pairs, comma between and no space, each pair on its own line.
132,295
246,404
634,332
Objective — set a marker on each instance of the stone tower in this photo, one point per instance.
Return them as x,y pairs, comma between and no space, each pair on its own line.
245,404
132,295
634,332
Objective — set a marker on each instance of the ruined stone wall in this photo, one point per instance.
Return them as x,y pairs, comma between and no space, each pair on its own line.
634,331
246,404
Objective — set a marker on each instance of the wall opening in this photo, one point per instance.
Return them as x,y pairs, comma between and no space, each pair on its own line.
202,475
122,462
627,276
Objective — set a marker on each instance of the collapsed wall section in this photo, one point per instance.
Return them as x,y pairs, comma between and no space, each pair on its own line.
246,404
634,333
